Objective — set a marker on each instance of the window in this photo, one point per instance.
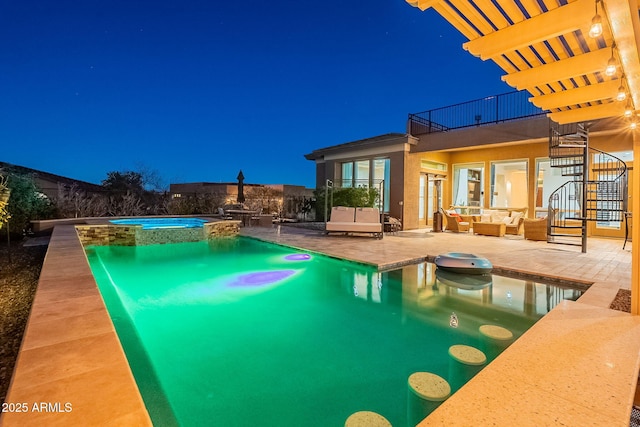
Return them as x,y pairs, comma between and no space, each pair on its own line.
509,184
609,203
548,180
368,173
423,178
428,164
347,174
467,184
361,178
381,174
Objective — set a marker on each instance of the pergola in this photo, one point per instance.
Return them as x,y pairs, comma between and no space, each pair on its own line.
554,49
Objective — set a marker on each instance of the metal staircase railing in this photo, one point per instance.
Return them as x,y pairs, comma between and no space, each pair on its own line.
598,195
607,188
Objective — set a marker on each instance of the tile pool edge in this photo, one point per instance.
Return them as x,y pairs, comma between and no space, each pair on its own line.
70,352
498,270
359,262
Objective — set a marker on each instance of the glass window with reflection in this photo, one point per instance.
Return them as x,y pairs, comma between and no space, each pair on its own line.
368,173
347,174
361,169
509,187
548,179
467,186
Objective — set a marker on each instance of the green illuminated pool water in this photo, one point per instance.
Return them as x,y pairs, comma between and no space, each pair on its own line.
231,333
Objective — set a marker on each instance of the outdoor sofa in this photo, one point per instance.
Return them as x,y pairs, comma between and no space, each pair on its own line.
355,220
491,221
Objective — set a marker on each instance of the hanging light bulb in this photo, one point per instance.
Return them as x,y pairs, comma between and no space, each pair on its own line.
622,94
633,125
612,66
628,109
596,25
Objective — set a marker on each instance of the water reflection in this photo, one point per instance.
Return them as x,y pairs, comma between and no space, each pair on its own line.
423,285
463,281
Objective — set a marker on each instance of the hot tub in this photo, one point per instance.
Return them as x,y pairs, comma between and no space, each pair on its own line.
157,223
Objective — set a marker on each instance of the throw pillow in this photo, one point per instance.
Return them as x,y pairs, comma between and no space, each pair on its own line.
498,216
507,220
485,218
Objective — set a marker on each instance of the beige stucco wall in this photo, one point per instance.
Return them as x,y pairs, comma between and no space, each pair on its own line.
527,151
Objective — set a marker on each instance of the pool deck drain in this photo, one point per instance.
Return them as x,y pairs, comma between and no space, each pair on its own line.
581,360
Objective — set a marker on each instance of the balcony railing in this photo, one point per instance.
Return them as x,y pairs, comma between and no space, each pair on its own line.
490,110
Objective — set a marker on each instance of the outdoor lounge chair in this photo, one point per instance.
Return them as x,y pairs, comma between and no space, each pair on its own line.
454,222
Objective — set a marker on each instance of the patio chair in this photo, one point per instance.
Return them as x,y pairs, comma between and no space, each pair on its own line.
224,215
255,217
391,224
454,222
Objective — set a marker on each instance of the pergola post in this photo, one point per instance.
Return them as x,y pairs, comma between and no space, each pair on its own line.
635,233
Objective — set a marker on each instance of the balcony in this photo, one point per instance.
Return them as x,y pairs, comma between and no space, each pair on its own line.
490,110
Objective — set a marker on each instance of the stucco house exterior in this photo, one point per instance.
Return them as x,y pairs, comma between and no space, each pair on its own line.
501,163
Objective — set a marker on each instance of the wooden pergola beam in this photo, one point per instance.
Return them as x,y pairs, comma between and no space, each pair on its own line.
595,92
556,22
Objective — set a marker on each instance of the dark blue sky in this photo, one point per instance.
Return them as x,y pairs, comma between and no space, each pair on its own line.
197,90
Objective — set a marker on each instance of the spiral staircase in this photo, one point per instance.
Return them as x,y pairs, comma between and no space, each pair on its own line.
597,190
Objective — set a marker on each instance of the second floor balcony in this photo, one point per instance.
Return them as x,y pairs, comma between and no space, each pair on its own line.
490,110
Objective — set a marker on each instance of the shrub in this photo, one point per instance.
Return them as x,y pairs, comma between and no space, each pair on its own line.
357,197
26,203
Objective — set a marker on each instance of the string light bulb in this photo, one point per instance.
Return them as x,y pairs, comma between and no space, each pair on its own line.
612,65
596,25
628,109
622,92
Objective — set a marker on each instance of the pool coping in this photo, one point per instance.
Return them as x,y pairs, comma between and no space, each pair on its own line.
71,354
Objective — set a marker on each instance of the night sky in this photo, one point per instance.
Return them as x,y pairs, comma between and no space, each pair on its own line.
196,90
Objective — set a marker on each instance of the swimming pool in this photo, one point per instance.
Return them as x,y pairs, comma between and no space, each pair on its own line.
240,332
156,223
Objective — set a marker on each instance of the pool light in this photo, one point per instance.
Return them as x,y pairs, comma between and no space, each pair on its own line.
453,320
260,278
298,257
